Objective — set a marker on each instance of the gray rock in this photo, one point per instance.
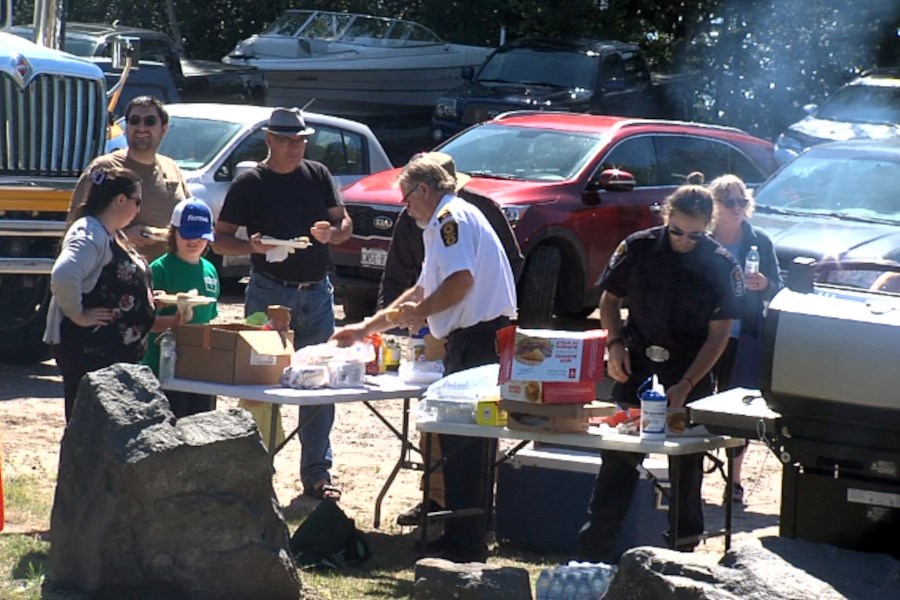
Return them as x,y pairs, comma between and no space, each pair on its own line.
438,579
147,505
798,571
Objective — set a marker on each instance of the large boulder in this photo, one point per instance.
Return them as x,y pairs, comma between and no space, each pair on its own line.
795,570
439,579
150,506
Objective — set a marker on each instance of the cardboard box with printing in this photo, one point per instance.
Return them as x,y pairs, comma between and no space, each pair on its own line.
553,418
551,355
549,392
233,354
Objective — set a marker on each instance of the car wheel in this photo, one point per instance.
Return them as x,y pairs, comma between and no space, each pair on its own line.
357,308
23,318
537,287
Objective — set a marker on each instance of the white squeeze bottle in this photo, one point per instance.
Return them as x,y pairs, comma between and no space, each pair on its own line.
751,265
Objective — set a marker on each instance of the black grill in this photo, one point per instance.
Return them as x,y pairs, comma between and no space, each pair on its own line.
54,126
365,218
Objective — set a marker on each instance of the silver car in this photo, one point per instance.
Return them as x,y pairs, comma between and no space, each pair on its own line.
208,141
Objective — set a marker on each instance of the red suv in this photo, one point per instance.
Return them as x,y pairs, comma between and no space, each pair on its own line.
572,185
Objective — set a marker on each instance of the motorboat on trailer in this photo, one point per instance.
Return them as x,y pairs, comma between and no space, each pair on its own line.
353,65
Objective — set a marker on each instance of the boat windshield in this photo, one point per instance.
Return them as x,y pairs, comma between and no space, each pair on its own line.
350,28
522,153
193,143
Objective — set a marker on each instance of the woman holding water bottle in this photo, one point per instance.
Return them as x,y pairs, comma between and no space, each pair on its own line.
752,248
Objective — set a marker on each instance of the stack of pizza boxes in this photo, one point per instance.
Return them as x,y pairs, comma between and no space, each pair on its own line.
548,378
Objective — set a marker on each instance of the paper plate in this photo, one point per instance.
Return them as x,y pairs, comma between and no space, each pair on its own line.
184,300
298,244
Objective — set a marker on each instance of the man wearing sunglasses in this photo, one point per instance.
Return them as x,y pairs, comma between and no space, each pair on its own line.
683,290
161,180
285,197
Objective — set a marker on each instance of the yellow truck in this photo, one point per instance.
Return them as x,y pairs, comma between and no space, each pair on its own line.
54,111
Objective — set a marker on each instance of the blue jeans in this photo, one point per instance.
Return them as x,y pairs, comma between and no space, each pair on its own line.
312,321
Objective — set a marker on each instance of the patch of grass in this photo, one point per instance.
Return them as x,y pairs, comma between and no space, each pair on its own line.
23,564
28,497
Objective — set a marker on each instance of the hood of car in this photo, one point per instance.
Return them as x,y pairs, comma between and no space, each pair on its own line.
381,188
828,237
519,95
813,130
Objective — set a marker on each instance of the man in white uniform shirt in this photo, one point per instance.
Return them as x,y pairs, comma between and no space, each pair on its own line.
466,292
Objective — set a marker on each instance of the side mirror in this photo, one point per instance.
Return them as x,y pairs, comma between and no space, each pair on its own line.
123,48
615,180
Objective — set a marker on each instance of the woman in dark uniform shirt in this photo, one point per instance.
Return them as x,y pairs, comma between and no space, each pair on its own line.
682,290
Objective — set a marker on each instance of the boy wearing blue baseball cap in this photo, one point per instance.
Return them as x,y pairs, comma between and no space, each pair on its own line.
181,270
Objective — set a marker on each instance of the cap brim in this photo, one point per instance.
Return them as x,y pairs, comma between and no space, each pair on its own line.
461,180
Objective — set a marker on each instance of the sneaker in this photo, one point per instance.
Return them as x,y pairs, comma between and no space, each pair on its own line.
737,494
411,517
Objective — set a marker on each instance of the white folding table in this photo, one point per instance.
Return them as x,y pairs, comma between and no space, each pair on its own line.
593,439
377,388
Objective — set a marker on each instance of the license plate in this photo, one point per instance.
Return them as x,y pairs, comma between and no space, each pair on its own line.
373,257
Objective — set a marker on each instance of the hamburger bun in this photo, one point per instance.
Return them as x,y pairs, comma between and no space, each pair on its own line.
532,351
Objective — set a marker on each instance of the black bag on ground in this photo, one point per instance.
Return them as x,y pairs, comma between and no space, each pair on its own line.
327,538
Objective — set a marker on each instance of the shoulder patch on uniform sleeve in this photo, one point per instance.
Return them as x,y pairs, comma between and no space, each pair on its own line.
444,215
737,281
450,232
619,255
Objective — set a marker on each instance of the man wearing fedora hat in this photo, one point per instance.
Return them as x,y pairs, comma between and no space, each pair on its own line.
466,292
287,196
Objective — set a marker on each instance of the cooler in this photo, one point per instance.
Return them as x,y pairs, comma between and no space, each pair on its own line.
543,494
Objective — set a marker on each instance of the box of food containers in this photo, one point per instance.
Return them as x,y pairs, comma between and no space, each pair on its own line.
234,353
549,392
551,355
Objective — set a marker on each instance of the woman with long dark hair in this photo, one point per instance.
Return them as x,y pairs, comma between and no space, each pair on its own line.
102,306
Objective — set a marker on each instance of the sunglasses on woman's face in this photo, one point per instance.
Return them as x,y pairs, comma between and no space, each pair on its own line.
731,202
696,236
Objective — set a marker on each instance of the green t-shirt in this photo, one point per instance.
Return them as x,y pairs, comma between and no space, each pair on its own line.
173,275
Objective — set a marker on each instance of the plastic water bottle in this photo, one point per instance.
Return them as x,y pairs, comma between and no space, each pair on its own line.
555,592
600,582
542,587
583,589
167,356
751,265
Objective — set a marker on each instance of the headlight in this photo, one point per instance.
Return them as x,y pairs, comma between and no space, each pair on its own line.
514,214
446,108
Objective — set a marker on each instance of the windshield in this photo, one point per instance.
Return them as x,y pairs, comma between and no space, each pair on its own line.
863,104
523,65
837,182
522,153
193,143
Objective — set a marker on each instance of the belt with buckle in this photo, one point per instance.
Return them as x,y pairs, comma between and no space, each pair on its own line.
300,285
657,354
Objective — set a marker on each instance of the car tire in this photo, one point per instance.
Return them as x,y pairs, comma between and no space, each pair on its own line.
537,287
357,308
24,318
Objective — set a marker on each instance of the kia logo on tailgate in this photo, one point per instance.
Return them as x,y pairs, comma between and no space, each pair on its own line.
383,222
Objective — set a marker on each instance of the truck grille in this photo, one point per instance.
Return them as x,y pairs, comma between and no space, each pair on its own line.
55,126
373,221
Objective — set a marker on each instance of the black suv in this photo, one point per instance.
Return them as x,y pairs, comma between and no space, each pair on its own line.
867,107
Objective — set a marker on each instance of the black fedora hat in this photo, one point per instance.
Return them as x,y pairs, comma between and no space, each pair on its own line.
288,122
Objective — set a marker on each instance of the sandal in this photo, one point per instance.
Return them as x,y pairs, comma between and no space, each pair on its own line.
323,490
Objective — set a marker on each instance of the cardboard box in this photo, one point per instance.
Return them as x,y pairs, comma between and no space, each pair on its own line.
553,418
543,495
551,355
549,392
234,353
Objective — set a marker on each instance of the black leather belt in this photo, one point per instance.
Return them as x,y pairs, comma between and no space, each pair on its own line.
300,285
492,325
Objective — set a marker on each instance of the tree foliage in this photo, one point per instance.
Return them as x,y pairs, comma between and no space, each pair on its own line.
756,62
